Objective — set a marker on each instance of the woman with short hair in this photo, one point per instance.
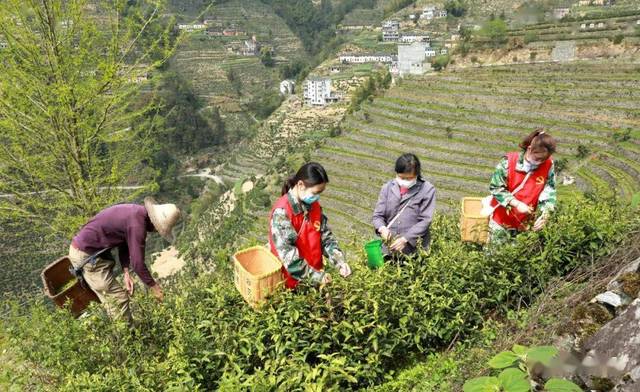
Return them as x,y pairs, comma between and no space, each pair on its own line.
405,208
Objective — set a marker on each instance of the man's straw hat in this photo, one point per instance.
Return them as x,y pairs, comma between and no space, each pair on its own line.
162,216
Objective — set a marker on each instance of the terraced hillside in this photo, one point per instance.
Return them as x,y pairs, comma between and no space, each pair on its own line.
215,65
622,22
460,123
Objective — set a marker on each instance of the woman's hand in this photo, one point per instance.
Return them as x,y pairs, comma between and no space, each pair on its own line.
540,222
156,290
344,269
521,207
399,244
128,282
385,233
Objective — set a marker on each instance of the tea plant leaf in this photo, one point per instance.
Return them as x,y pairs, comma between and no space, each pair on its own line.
541,354
482,384
519,350
503,360
514,380
560,385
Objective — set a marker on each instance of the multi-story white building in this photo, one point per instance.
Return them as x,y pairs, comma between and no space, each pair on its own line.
367,58
191,27
432,12
409,38
411,59
390,30
317,92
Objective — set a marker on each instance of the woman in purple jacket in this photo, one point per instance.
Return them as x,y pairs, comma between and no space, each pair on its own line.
405,208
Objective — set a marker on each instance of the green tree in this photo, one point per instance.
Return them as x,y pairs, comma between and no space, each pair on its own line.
496,31
72,129
266,56
188,125
440,62
456,8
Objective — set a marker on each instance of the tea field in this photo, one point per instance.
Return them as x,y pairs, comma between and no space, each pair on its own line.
460,124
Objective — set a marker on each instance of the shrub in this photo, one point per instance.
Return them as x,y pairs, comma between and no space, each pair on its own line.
530,36
350,334
582,151
440,62
617,39
496,31
456,8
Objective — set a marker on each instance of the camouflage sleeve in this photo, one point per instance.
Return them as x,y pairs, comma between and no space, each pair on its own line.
330,245
284,238
547,200
498,184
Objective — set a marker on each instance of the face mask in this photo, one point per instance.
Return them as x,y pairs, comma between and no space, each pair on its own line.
533,163
406,183
310,199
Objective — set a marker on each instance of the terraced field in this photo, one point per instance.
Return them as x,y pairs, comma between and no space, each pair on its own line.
460,123
570,30
207,61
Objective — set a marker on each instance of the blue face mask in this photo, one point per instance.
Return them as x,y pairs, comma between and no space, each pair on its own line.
310,199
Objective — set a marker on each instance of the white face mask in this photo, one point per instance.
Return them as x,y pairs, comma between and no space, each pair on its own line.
406,183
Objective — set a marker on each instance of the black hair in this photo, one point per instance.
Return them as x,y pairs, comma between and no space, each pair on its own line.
539,139
409,164
311,174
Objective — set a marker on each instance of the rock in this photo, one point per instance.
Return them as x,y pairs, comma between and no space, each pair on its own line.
615,284
613,299
612,358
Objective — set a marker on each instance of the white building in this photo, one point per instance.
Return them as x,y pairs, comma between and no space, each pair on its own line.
390,30
366,58
287,87
411,59
409,38
251,47
432,12
317,92
191,27
561,12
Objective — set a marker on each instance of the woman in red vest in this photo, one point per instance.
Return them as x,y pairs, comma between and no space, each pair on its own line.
523,187
298,231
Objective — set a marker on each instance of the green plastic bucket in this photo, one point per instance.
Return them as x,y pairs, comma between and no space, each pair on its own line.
374,254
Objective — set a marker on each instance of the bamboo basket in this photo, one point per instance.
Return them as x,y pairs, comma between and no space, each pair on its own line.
474,227
257,274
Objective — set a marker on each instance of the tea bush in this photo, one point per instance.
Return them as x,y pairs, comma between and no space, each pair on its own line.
353,333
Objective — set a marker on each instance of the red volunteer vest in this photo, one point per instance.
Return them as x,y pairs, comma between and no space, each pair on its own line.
309,242
529,194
